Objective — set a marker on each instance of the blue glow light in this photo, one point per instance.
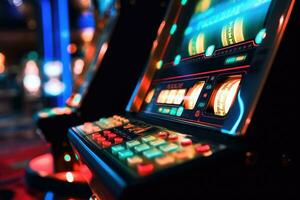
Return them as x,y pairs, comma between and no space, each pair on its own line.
173,29
183,2
177,60
238,121
49,196
47,30
260,36
210,50
64,41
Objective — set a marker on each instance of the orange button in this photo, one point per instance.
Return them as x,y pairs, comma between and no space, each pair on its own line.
145,169
165,160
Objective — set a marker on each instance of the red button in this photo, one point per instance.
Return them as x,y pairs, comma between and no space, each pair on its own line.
95,136
100,139
111,136
118,140
163,134
202,148
186,141
145,169
106,132
173,137
106,144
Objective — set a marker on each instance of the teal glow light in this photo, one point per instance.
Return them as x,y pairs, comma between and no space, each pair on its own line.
261,35
188,30
67,157
159,64
177,60
210,50
179,111
173,29
238,121
183,2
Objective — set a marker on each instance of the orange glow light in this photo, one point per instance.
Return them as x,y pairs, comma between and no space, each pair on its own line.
87,34
192,96
161,27
226,95
78,66
149,96
162,97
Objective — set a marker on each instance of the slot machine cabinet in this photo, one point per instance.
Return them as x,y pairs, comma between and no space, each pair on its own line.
126,35
186,123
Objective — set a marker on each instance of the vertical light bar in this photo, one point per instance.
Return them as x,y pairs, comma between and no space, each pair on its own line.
64,41
47,30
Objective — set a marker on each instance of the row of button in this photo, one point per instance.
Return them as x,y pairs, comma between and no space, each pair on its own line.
106,138
157,151
103,124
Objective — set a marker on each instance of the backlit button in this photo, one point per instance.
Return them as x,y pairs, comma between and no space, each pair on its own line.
157,142
165,160
173,137
141,147
145,169
169,147
132,143
125,154
100,139
163,134
186,142
106,144
106,132
152,153
95,136
117,148
118,140
95,129
132,161
182,155
202,148
111,135
148,138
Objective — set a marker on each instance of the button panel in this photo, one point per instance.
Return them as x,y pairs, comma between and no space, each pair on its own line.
144,149
158,150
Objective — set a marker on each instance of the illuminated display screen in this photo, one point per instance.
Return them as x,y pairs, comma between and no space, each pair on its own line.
208,51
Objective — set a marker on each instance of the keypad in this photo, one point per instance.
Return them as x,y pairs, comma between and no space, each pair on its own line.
142,148
158,150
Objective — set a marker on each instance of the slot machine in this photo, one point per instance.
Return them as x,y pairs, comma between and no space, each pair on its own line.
105,55
189,113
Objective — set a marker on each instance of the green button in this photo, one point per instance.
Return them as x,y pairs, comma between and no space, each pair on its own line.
152,153
157,142
117,148
148,138
169,147
132,143
141,147
125,154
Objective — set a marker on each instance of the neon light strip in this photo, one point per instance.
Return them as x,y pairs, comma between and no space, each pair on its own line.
64,41
202,73
47,30
238,121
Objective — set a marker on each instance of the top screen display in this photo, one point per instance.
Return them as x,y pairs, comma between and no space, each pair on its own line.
208,52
